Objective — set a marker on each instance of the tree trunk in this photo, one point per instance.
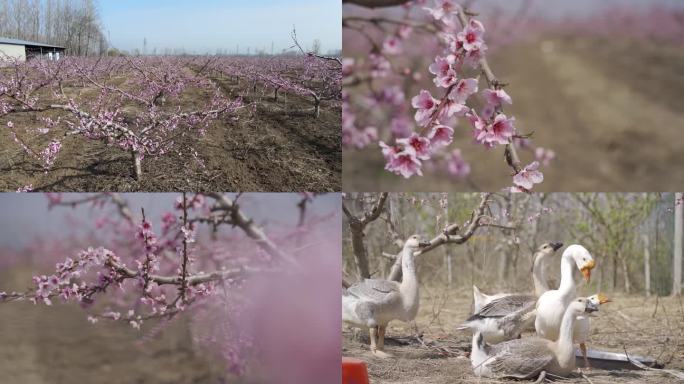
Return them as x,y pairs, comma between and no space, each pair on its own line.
625,272
137,165
447,255
317,106
359,251
647,267
677,258
449,270
615,269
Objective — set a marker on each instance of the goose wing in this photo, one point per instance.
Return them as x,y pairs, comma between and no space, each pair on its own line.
505,306
376,290
520,358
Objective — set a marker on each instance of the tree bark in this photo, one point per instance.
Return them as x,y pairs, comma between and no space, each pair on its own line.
647,267
317,106
615,273
137,165
359,249
677,257
357,226
625,272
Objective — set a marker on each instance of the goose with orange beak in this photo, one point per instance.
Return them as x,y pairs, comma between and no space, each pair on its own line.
552,304
586,269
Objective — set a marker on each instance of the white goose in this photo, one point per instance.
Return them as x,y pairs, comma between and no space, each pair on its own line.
528,357
507,316
372,303
538,277
583,324
552,304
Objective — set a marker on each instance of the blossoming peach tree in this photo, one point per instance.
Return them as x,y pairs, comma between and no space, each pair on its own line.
136,104
411,144
143,105
207,259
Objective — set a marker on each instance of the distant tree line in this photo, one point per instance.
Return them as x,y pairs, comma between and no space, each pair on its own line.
73,24
636,238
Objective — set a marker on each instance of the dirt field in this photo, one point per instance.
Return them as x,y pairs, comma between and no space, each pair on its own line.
279,148
610,109
57,345
632,322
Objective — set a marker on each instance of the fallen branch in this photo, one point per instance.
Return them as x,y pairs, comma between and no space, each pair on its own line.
638,364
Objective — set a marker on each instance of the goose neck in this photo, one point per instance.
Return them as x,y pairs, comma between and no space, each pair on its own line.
408,266
409,280
538,275
567,284
564,344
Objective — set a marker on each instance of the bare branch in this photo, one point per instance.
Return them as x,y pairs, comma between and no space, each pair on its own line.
450,235
237,218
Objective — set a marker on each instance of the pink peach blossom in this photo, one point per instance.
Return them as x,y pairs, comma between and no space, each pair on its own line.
445,76
420,146
528,176
463,89
456,165
496,97
405,164
425,105
392,46
441,135
442,8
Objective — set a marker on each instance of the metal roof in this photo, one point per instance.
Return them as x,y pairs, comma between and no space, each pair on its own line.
5,40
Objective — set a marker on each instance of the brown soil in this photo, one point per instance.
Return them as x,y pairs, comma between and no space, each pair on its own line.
629,321
281,147
40,345
610,109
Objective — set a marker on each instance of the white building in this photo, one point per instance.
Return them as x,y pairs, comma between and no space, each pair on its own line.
23,50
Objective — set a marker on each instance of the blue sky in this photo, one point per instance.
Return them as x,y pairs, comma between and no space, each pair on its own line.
206,25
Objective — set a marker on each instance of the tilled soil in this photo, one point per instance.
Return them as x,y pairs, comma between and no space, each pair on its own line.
441,354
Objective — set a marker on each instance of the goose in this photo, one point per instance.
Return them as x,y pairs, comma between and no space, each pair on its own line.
581,332
481,299
372,303
538,277
529,357
552,304
507,316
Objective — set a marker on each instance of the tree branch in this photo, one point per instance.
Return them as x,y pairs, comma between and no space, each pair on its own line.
237,218
450,235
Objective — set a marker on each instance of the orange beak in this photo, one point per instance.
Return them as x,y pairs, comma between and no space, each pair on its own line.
586,270
603,299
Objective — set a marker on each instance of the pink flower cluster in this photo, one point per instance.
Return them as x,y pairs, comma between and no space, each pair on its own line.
49,154
61,283
465,47
425,142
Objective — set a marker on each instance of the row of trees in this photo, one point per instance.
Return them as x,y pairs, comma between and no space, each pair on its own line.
489,240
73,24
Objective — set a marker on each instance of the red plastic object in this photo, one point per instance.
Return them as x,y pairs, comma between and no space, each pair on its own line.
354,371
